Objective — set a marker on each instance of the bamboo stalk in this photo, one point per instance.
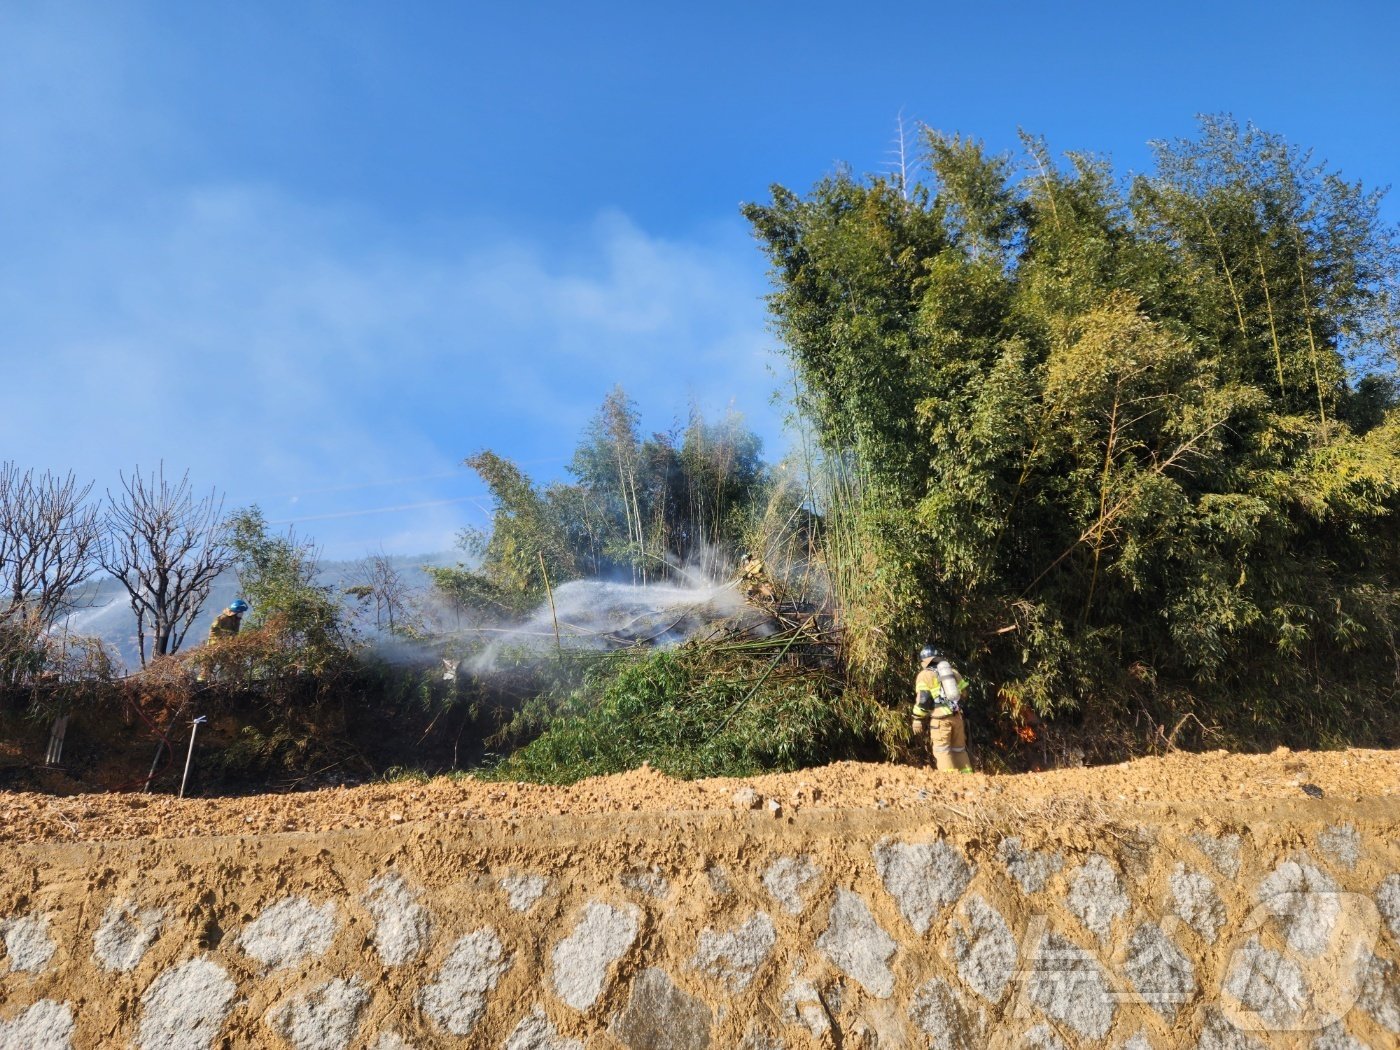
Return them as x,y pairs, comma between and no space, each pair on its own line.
1229,276
549,591
1307,323
1273,332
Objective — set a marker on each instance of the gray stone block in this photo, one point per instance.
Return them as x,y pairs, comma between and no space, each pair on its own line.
757,1038
1269,984
289,931
401,925
522,891
983,950
1163,976
534,1032
734,956
1388,903
1194,899
1028,867
324,1018
659,1016
1342,842
802,1002
1217,1033
185,1007
1224,852
1380,993
648,881
126,934
1096,896
1304,900
46,1025
456,999
28,946
1067,983
1336,1038
786,878
1042,1037
922,878
856,945
719,880
939,1013
603,935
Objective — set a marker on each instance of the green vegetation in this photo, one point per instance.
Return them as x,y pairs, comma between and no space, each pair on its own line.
641,509
690,713
1130,447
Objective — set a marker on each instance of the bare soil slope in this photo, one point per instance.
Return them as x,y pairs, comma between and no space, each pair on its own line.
1222,902
1216,778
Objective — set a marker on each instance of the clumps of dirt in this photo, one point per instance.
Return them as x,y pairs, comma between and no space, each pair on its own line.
1068,797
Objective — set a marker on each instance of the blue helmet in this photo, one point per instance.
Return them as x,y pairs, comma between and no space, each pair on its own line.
239,606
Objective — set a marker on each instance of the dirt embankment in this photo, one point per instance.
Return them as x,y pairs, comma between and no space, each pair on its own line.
1213,901
1217,778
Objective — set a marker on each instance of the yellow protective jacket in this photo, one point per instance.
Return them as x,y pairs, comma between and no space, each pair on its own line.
225,625
929,701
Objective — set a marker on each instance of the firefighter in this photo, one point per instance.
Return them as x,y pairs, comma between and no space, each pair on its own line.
226,624
753,577
938,695
224,627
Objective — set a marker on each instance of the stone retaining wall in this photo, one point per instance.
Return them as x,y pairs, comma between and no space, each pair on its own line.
1148,928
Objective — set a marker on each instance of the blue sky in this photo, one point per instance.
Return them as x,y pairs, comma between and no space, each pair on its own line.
317,253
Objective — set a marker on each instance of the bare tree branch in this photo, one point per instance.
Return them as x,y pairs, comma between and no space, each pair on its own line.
378,580
166,548
48,542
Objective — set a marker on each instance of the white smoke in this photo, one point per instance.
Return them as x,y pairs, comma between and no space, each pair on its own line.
597,614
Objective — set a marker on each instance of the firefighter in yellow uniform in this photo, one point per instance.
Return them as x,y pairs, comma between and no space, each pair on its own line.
754,578
224,627
226,624
938,695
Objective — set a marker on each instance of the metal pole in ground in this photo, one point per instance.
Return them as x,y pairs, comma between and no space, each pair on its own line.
194,728
154,762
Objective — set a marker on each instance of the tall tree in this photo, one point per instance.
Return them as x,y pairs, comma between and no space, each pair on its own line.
48,539
278,575
166,548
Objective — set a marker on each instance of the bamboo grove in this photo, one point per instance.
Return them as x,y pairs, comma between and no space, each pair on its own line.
1128,445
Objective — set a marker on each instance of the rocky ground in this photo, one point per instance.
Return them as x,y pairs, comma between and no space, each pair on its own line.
1216,777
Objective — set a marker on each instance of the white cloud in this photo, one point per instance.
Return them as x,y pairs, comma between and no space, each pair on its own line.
274,347
281,347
